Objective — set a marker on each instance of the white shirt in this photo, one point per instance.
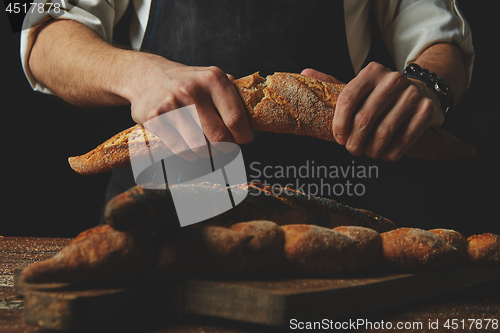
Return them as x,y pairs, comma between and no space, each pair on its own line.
408,28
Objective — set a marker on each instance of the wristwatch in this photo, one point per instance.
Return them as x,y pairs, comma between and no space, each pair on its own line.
435,83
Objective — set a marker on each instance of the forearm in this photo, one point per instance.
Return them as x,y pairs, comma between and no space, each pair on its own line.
446,61
78,66
82,69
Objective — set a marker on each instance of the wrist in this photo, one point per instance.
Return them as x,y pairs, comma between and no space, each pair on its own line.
140,71
434,83
126,75
424,87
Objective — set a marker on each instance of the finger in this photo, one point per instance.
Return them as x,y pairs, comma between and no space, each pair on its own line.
230,77
395,150
225,147
163,129
213,128
384,132
228,102
410,131
348,103
320,76
186,122
385,94
351,98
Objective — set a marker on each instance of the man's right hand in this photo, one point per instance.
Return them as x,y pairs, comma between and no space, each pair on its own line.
165,86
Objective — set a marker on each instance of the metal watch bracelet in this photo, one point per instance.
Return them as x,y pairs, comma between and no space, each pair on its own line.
435,83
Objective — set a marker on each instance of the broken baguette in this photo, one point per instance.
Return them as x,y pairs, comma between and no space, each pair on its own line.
281,103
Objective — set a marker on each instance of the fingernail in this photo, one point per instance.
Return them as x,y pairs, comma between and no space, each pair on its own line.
340,139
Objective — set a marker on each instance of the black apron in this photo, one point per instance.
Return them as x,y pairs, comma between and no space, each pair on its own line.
242,37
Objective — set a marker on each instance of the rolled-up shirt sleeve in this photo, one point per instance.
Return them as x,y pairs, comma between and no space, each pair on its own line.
98,15
411,26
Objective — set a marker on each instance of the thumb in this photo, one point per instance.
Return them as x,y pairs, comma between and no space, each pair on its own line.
320,76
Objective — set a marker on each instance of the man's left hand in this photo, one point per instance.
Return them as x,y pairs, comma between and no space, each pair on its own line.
381,112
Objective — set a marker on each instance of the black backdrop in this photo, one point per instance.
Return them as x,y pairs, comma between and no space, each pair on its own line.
44,197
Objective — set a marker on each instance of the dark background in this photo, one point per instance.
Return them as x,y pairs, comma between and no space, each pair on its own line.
43,196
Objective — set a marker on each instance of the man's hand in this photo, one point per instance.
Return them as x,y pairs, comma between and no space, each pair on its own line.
382,113
166,86
95,73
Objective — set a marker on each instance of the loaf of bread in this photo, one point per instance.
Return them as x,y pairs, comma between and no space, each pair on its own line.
254,248
98,254
207,251
313,251
416,250
104,228
201,251
454,238
484,250
263,255
146,209
281,103
102,253
367,252
325,212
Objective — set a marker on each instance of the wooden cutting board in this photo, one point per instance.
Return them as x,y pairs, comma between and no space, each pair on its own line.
269,302
107,306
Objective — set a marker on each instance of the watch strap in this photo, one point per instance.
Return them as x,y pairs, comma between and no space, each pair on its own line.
434,83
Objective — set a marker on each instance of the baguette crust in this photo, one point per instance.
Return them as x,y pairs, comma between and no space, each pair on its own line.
97,254
296,104
368,247
281,103
416,250
264,252
484,250
210,251
454,238
115,152
316,251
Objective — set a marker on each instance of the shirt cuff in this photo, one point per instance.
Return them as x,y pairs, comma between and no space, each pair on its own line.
97,15
424,23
